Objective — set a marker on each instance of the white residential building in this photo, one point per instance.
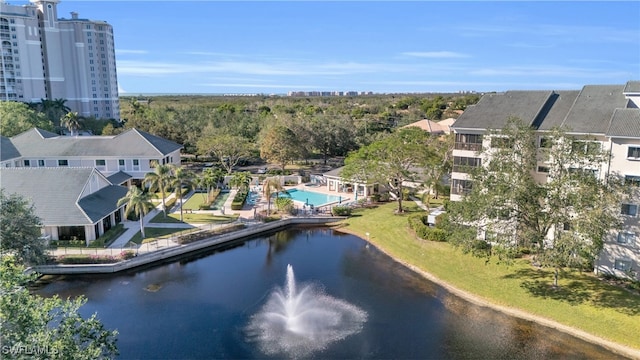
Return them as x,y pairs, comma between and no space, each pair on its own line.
609,114
46,57
129,155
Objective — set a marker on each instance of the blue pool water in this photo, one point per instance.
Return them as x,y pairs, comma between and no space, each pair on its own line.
313,198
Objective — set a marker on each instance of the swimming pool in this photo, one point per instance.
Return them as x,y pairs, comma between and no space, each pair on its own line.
313,198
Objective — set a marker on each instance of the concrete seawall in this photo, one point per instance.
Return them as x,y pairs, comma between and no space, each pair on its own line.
176,251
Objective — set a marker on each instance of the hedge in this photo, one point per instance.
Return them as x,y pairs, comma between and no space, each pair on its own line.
201,235
418,224
341,211
239,199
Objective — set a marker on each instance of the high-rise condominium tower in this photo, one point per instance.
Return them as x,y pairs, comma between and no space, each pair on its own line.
46,57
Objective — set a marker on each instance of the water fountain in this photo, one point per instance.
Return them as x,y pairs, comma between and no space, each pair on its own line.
297,323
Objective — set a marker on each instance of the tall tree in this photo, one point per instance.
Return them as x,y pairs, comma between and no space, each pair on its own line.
71,121
228,149
271,185
139,203
563,219
20,230
47,328
391,161
16,117
241,180
159,180
281,146
182,178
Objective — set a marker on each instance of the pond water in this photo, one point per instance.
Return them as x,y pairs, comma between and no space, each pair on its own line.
211,305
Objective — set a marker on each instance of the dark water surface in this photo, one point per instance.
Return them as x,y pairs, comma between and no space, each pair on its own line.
199,308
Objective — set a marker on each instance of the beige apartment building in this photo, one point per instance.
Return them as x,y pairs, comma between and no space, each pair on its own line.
47,57
608,114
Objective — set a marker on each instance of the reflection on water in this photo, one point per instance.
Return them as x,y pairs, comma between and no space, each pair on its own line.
200,307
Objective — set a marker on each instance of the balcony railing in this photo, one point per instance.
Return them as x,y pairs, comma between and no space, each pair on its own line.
468,146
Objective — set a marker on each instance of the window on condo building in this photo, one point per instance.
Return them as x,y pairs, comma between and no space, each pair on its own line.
63,162
543,169
623,264
629,209
626,237
27,163
101,162
633,152
41,163
632,180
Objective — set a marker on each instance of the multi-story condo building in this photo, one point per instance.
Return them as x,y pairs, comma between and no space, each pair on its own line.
46,57
608,115
75,182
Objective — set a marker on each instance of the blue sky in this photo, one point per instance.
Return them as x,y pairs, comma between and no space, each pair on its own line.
380,46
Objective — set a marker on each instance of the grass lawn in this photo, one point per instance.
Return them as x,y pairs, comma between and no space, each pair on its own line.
151,232
582,300
199,218
194,201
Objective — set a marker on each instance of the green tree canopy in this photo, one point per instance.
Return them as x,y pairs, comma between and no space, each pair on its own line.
72,121
281,146
20,230
228,149
16,117
563,219
399,157
34,327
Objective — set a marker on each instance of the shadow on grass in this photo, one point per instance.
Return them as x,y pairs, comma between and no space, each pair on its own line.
577,288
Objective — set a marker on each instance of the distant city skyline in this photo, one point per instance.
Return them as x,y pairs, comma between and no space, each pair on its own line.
384,47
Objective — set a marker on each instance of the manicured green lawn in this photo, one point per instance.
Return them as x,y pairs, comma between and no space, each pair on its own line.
151,232
196,218
195,201
582,300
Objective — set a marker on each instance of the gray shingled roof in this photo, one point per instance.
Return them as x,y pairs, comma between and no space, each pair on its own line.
593,108
103,202
632,87
130,143
55,192
7,150
119,177
625,123
334,172
493,110
562,102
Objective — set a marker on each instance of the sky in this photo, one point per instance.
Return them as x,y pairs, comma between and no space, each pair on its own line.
272,47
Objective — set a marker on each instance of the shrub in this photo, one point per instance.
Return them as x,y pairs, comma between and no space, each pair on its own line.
204,206
384,197
87,259
375,197
169,203
284,204
341,211
239,199
418,223
127,254
271,218
201,235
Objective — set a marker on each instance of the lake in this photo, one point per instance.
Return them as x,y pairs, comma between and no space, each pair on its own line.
200,307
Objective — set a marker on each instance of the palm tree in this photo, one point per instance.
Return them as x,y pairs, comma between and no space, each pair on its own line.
159,179
272,185
72,122
182,178
241,180
139,202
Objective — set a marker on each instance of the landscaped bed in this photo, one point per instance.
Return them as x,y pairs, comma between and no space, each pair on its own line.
195,218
